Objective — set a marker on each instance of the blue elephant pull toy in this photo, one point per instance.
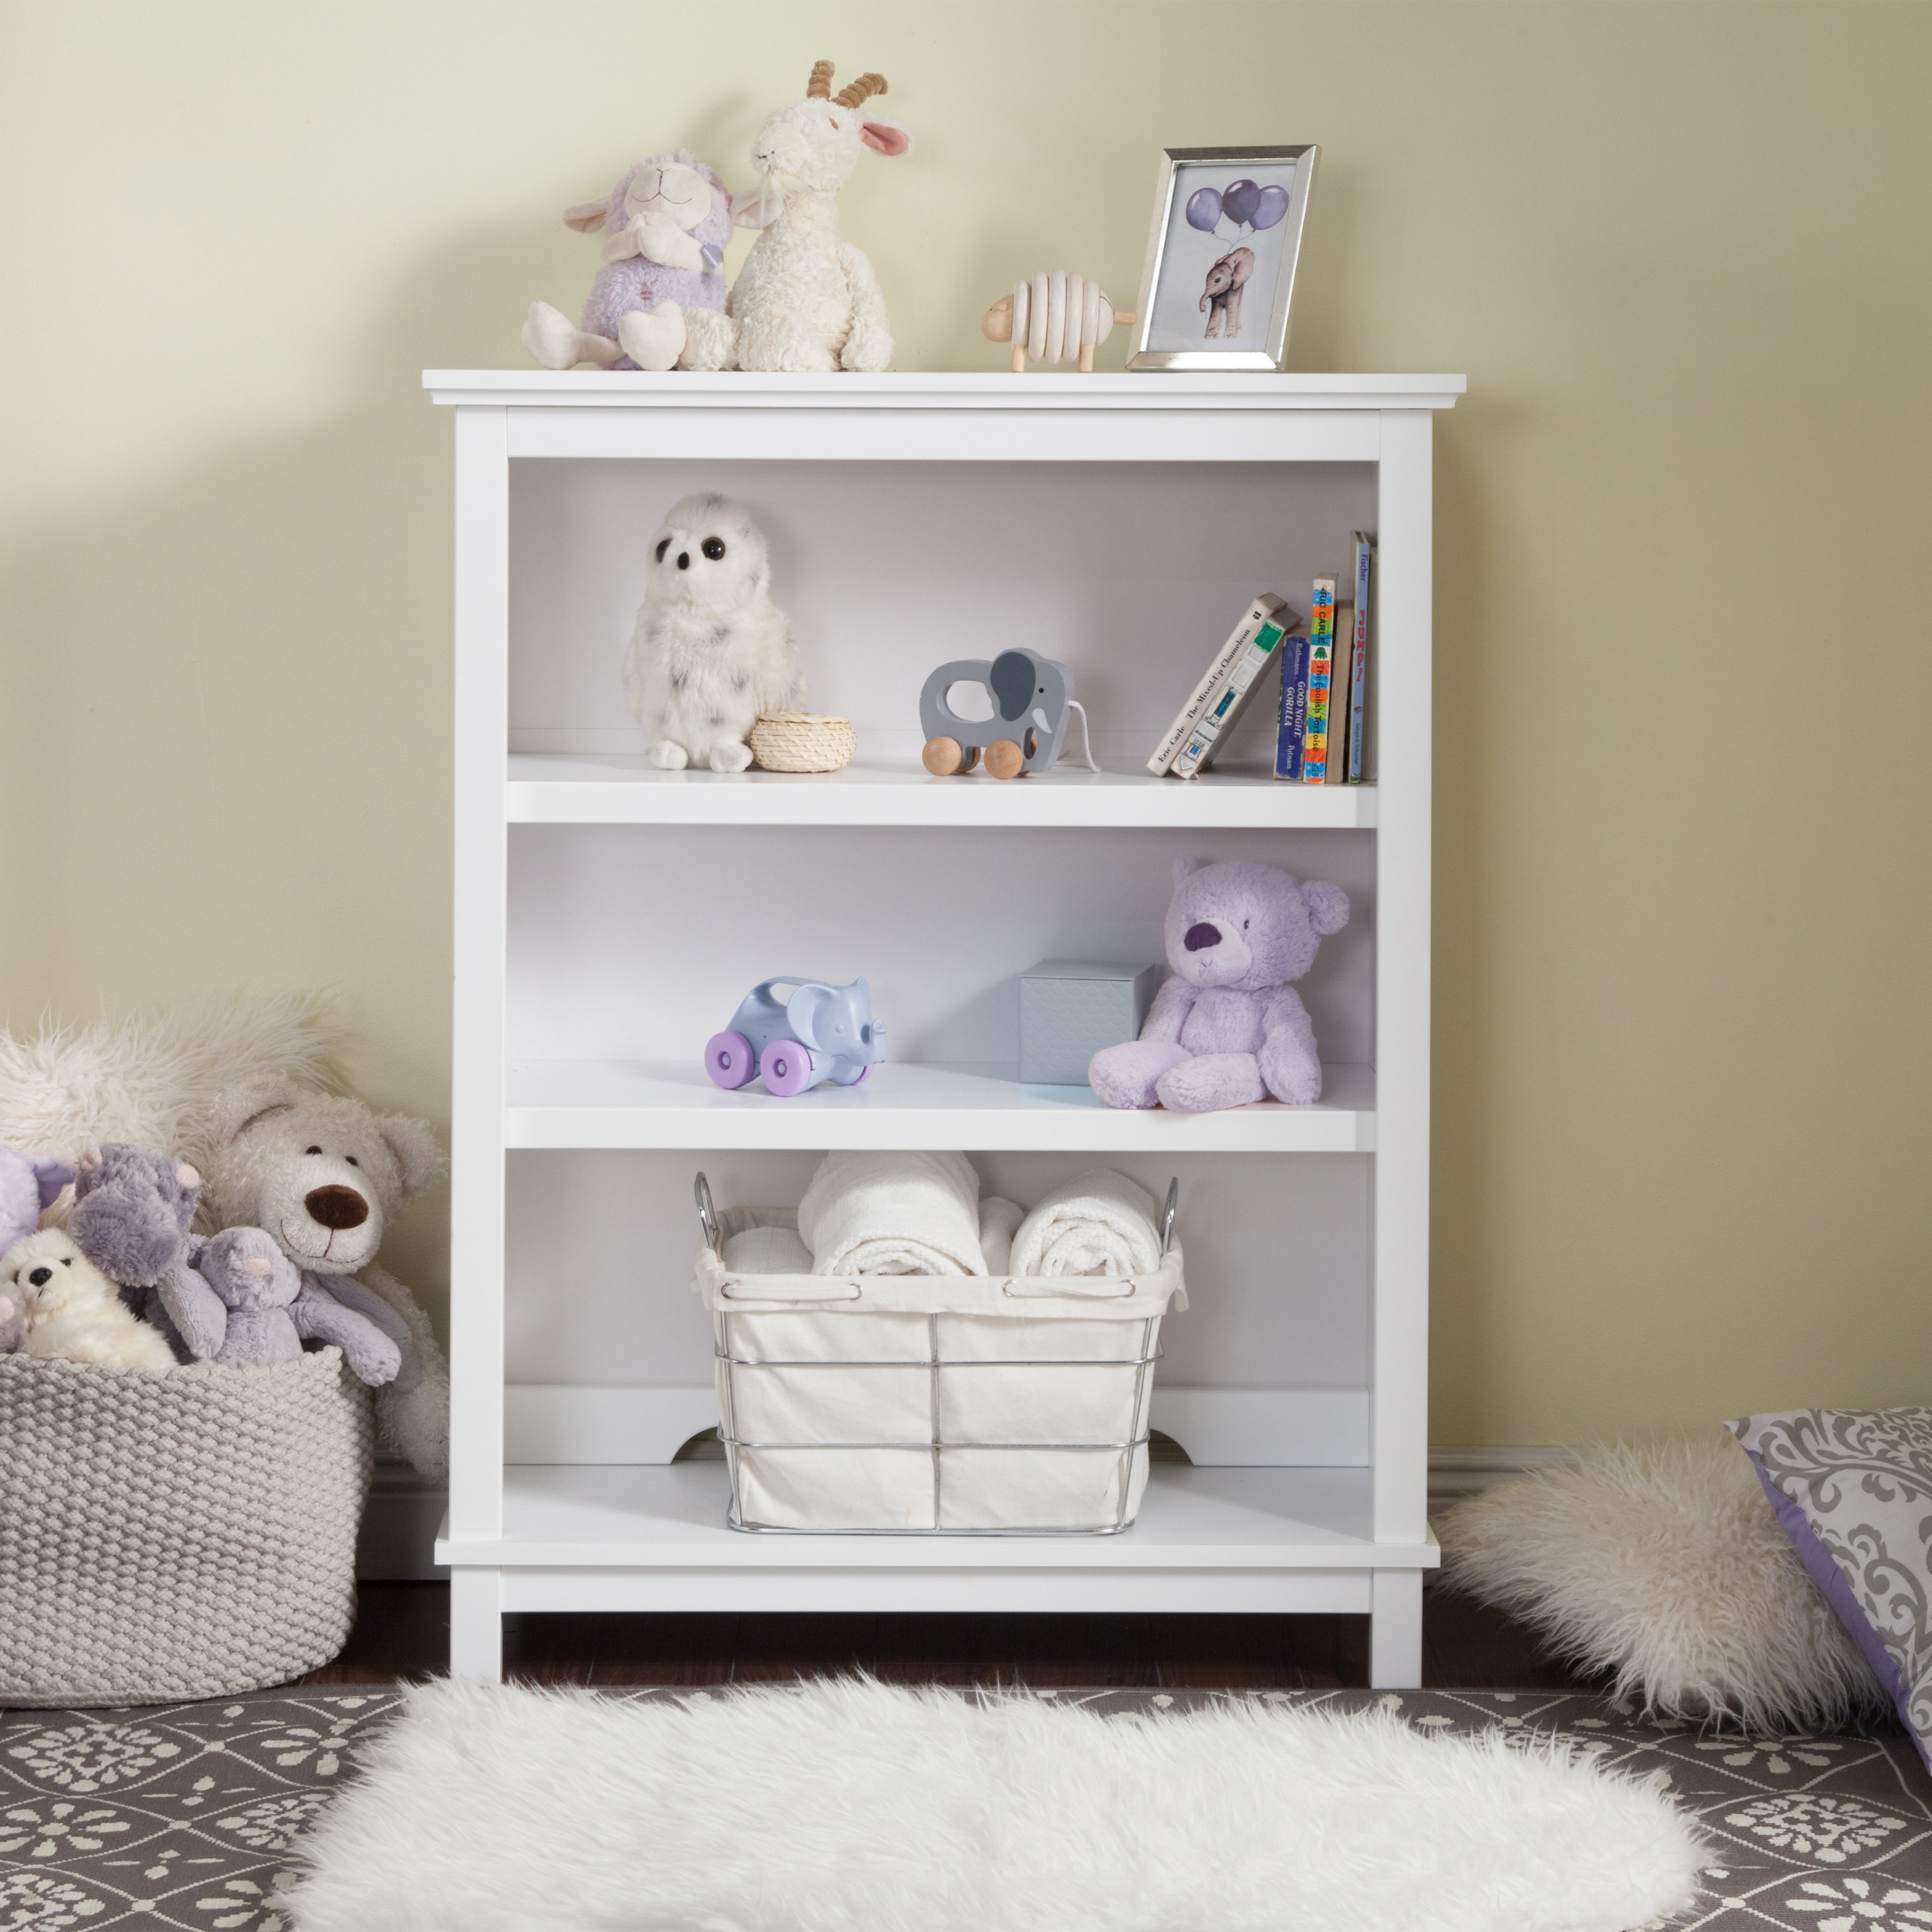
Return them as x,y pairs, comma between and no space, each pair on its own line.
824,1033
1031,697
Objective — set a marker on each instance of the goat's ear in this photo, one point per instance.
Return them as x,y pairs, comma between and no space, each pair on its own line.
583,216
885,137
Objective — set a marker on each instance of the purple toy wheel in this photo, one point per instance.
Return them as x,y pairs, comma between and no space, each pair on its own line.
786,1068
860,1079
729,1059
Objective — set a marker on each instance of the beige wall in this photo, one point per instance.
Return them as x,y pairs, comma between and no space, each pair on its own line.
1680,251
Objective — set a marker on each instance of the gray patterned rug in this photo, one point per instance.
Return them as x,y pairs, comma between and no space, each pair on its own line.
180,1816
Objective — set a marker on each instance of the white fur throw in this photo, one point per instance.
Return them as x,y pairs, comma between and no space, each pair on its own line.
1663,1563
855,1807
153,1078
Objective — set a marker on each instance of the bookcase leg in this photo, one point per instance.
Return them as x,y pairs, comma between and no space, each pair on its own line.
476,1625
1395,1636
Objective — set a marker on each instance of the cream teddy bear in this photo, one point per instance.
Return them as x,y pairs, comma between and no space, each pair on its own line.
73,1310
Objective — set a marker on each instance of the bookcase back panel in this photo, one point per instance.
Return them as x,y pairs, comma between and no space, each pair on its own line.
1131,574
601,1246
638,942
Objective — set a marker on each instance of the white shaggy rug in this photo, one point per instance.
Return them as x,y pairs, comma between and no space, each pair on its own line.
851,1806
1663,1562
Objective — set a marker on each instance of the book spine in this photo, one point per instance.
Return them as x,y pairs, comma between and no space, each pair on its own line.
1321,675
1258,614
1358,674
1336,771
1226,703
1294,708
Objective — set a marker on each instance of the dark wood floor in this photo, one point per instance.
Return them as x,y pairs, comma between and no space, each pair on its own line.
402,1630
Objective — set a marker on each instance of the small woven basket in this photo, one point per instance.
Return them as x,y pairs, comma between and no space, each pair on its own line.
166,1537
802,741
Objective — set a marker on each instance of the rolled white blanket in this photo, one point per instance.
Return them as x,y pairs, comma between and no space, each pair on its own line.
999,1222
765,1251
1100,1224
870,1212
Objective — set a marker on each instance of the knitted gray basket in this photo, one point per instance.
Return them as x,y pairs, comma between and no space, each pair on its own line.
172,1536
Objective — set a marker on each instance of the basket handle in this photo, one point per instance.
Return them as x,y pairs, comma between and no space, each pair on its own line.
707,1216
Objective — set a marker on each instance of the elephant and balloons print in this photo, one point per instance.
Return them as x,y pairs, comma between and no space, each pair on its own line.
1231,227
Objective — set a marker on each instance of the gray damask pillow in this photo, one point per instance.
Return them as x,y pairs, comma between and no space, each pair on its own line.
1853,1490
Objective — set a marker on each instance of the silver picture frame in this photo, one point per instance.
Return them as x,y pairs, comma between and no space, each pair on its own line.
1154,317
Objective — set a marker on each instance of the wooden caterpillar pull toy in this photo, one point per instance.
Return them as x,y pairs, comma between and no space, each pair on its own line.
1053,318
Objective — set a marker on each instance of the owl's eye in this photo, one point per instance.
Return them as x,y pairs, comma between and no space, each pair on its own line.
662,547
714,547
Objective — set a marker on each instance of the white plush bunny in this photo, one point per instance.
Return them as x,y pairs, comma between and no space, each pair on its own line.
73,1310
712,653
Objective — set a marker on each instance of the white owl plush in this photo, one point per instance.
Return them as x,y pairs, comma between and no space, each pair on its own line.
712,653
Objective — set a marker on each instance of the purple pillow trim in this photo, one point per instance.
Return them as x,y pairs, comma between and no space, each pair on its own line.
1831,1580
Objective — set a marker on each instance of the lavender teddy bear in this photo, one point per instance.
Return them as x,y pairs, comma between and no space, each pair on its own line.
1228,1028
665,224
273,1307
133,1207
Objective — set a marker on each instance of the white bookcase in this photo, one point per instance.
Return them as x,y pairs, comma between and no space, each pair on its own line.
609,917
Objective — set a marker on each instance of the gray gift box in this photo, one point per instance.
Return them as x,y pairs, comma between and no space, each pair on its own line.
1070,1009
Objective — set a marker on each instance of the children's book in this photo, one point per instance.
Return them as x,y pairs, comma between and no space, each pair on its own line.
1337,771
1357,763
1265,609
1294,708
1230,698
1321,678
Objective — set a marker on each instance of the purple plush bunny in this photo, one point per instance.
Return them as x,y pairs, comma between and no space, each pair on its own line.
132,1209
665,225
274,1307
1228,1028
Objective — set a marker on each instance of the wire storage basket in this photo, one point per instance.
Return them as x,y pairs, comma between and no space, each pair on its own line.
932,1404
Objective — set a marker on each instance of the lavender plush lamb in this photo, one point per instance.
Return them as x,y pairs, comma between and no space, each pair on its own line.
1228,1028
133,1207
274,1307
665,225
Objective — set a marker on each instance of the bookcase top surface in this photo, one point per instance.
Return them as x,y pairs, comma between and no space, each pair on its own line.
546,388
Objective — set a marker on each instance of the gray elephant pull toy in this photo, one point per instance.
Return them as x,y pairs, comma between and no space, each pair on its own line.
822,1033
1031,698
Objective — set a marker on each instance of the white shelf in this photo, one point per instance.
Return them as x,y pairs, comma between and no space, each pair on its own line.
671,1516
614,788
597,1103
926,389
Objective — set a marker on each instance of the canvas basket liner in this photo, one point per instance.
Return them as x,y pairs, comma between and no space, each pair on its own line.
164,1537
948,1404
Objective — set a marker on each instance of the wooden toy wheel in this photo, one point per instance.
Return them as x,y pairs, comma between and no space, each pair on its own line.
1004,759
943,757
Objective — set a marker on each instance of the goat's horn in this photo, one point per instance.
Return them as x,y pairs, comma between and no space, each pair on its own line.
819,87
866,86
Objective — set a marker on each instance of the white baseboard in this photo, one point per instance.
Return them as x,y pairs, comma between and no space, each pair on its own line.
1455,1472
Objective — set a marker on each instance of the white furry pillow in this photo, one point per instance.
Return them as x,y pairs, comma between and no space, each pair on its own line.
153,1078
1664,1564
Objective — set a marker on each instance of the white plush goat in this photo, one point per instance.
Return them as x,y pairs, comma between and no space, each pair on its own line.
804,300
